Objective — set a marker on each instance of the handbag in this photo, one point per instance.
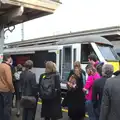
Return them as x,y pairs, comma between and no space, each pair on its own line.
28,102
72,84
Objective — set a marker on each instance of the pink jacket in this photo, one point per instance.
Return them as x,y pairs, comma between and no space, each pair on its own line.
89,84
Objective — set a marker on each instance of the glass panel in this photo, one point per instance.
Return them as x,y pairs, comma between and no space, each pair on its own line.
74,55
67,60
86,50
60,53
108,52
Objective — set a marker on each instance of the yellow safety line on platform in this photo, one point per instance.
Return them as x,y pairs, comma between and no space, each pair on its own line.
64,110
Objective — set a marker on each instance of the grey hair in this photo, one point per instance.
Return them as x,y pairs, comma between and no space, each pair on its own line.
28,64
107,70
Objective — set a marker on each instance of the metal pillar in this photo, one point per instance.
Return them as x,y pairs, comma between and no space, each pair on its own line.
1,42
22,31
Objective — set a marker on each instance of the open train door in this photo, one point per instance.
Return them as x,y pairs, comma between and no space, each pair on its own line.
69,54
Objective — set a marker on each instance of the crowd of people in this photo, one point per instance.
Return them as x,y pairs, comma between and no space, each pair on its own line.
97,94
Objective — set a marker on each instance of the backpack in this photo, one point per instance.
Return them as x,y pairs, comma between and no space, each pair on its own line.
17,75
47,88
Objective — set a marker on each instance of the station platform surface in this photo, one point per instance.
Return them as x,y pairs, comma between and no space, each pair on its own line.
65,116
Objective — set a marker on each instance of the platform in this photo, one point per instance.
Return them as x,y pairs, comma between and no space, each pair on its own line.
65,115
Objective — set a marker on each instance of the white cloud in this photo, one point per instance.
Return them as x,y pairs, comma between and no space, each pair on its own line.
72,15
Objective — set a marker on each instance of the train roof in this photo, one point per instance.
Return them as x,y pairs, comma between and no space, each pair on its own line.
69,38
84,39
27,46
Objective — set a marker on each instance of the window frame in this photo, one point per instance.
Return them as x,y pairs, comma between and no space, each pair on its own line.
86,62
112,51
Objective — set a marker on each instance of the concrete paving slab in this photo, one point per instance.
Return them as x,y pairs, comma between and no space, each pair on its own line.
14,117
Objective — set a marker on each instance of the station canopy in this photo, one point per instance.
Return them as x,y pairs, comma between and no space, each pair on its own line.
13,12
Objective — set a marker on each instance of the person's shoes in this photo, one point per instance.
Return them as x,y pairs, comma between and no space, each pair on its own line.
18,114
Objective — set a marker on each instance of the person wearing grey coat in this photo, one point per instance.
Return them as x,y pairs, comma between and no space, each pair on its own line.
110,108
28,88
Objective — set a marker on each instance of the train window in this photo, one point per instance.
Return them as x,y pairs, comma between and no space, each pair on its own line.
108,52
40,57
86,50
67,55
74,55
20,59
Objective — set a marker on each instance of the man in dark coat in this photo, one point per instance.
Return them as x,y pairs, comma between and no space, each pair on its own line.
116,73
110,106
98,86
28,88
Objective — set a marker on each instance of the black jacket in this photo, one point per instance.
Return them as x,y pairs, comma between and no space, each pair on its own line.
28,83
116,73
110,107
75,100
97,90
52,107
83,75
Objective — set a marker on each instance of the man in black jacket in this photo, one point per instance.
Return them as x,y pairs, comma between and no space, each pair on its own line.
110,106
98,86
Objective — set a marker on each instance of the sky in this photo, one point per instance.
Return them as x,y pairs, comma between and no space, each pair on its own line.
71,16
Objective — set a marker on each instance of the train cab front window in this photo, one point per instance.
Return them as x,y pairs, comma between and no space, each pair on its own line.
108,52
86,50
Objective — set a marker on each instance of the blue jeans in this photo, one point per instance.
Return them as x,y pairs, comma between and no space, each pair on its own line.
5,105
90,110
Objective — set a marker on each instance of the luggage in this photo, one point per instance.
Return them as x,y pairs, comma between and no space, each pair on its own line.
47,88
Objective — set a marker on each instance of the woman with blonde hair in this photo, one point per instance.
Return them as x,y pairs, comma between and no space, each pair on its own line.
50,92
50,67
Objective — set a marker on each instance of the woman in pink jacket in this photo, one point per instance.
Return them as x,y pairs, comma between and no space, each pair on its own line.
92,76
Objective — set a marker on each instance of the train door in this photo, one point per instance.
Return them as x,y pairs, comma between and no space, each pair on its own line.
69,55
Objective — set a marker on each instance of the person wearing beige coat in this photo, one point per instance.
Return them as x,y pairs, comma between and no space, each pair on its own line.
6,88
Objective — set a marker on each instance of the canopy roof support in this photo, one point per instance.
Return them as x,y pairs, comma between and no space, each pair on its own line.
1,41
5,19
13,12
11,15
44,5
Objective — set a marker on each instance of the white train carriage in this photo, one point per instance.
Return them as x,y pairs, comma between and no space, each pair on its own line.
64,51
